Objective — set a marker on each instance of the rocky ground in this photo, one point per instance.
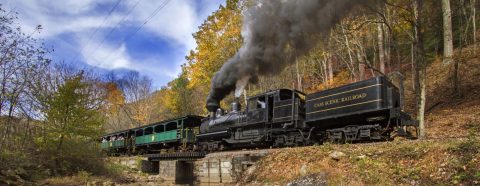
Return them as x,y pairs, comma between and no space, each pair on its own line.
129,177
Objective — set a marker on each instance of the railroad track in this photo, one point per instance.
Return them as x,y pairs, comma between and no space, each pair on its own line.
185,156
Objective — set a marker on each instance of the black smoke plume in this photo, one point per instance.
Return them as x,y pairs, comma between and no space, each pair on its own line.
275,32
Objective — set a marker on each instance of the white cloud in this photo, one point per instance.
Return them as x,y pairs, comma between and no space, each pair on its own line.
108,57
60,17
175,23
72,7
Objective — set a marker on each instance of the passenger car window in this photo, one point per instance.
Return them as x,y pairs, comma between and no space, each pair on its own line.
171,126
159,128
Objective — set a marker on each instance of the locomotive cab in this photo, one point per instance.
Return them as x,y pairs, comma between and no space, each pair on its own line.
257,111
276,107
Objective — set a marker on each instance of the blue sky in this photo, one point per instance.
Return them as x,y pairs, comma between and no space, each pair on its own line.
83,33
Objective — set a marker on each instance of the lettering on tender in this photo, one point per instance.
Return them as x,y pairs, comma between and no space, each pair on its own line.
340,100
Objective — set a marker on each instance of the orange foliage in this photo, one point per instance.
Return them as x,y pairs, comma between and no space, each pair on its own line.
115,98
342,78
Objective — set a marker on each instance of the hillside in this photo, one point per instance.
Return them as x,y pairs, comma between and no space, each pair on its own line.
449,155
446,111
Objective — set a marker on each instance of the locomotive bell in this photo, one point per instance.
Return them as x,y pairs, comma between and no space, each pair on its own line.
236,107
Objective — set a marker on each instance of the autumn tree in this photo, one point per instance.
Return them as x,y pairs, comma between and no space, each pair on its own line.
218,39
117,117
69,102
22,58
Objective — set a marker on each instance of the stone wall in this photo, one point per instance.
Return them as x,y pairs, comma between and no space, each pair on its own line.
213,170
225,167
167,170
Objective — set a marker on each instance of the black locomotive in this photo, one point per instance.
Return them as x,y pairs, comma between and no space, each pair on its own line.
363,111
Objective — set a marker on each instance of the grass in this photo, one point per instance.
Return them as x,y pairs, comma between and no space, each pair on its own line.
81,178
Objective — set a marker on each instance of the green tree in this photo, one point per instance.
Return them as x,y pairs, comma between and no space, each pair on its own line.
72,122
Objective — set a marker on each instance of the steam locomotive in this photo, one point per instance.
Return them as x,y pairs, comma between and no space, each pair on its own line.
368,110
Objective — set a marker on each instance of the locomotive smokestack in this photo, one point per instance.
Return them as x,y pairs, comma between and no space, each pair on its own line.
275,32
213,105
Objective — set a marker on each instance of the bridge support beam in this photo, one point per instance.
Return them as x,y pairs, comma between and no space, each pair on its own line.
223,167
167,170
214,170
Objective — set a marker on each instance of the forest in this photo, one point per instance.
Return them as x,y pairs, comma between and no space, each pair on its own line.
52,111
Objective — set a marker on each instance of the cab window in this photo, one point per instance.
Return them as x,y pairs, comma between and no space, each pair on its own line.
257,103
261,103
285,95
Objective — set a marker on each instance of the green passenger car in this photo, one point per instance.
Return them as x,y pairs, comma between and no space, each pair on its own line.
176,133
114,142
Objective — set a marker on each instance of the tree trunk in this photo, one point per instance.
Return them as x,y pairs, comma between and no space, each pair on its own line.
58,155
463,34
455,78
299,76
474,30
381,48
330,68
324,65
361,66
421,99
347,44
447,33
420,66
412,61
